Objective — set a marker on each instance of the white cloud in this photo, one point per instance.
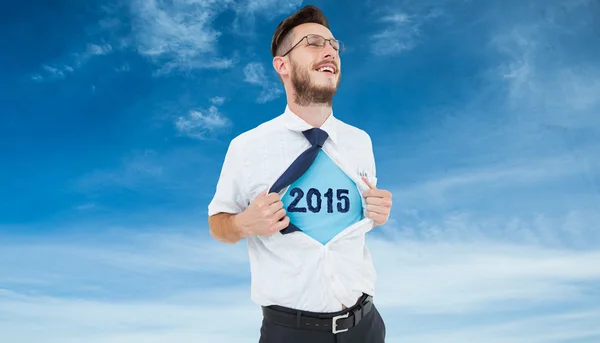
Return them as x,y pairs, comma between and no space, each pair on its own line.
271,8
567,326
255,73
217,101
458,278
177,284
525,138
97,50
147,171
399,35
166,279
466,279
60,70
120,256
401,28
178,35
201,124
192,317
546,85
123,68
248,11
56,72
484,180
136,169
181,35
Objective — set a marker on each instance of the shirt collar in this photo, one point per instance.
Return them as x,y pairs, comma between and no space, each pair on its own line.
295,123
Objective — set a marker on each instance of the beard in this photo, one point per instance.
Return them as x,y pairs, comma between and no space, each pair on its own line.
308,93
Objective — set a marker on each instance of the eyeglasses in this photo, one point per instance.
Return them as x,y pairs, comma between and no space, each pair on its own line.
320,41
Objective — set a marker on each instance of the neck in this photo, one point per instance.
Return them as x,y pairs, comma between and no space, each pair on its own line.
314,114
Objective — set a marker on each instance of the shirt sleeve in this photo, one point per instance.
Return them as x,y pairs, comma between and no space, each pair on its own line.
230,195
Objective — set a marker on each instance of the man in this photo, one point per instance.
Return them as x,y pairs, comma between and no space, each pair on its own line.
300,188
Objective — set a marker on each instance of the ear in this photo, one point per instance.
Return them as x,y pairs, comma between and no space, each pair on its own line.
280,65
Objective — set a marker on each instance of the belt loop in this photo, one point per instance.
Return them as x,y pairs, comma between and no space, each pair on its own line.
298,319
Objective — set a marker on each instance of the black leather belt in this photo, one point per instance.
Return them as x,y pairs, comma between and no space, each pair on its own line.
335,322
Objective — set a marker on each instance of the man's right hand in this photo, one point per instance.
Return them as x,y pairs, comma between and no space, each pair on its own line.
264,216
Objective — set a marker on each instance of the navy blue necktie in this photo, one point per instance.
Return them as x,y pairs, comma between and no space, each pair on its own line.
317,138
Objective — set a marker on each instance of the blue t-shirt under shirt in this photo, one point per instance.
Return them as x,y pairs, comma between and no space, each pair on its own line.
324,201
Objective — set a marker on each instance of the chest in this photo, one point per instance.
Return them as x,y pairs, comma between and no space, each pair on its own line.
337,166
323,189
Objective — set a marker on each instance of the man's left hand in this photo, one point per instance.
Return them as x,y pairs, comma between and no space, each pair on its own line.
379,203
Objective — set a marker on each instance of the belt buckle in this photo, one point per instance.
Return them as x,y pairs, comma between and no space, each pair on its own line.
334,323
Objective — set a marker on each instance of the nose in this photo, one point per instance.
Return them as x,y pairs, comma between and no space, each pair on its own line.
329,51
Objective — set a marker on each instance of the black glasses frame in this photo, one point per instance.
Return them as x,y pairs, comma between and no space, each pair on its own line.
340,45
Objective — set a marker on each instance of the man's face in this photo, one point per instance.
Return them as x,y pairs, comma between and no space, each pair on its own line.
313,82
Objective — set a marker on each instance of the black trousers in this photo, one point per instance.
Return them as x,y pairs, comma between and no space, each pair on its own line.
370,329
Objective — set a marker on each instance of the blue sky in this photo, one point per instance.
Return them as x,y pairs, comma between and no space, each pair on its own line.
115,117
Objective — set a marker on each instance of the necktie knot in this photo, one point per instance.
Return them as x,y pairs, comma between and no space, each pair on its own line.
316,136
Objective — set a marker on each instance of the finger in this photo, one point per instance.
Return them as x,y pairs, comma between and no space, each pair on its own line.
276,206
280,225
279,214
378,209
368,183
377,217
274,195
271,199
263,193
378,193
383,202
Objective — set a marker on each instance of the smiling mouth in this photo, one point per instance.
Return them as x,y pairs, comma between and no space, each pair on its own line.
327,70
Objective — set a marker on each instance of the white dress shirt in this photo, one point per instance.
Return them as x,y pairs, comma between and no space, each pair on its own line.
295,270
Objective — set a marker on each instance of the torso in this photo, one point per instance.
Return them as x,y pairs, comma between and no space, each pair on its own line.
324,201
328,265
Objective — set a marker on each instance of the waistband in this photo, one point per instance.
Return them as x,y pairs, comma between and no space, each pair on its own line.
335,322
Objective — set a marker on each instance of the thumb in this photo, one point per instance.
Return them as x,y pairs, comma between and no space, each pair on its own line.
263,193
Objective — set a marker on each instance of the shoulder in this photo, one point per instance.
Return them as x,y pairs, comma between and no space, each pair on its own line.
256,135
358,141
353,134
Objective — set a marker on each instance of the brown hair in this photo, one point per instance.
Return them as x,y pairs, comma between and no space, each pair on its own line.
307,14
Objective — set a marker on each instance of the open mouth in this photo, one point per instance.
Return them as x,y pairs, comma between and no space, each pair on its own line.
327,69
